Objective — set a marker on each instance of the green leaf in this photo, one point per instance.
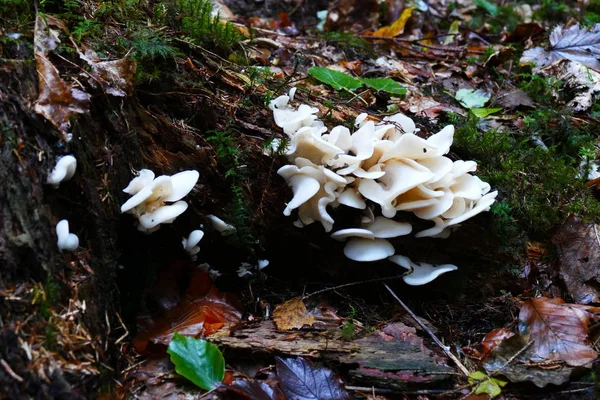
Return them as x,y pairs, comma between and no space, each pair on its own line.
486,384
386,84
335,79
470,98
491,8
484,112
197,360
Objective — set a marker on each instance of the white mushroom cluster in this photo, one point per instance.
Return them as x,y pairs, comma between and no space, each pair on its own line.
157,200
382,164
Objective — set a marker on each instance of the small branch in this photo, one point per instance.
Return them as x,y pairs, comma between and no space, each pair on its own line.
9,371
460,366
387,278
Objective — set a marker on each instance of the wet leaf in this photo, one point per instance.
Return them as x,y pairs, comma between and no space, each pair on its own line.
559,331
302,380
514,357
292,315
397,27
335,79
484,112
386,84
513,99
252,389
576,43
470,98
197,360
203,310
493,339
579,259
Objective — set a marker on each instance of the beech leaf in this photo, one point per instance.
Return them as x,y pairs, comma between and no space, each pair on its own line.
575,43
197,360
559,331
470,98
386,84
302,380
335,79
484,112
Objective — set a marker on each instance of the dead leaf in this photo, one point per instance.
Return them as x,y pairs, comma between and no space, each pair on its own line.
559,331
493,339
116,77
202,311
513,359
579,259
575,43
253,389
57,99
397,27
524,31
292,315
512,99
584,81
300,379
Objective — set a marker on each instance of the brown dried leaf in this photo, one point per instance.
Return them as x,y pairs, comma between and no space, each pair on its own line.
292,315
116,77
493,339
559,331
579,259
57,99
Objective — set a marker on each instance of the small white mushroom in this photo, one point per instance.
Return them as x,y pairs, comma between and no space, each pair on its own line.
190,244
365,250
66,241
63,171
162,215
422,273
144,178
260,264
221,226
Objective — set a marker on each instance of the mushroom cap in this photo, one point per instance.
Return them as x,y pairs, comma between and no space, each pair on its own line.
351,198
182,183
303,186
144,178
441,205
422,273
66,241
433,231
221,226
163,215
137,199
366,250
482,204
344,234
385,228
407,124
194,238
260,264
63,170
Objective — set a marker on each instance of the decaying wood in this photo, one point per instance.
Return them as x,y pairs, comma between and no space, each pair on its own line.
393,356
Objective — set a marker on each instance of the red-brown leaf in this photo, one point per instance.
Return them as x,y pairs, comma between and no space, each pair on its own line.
559,330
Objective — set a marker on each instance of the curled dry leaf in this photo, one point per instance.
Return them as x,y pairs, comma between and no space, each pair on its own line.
116,77
559,331
57,99
293,314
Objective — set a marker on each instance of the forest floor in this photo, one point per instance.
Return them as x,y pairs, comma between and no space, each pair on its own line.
267,309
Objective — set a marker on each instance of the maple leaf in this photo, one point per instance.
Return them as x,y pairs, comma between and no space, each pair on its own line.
575,43
559,331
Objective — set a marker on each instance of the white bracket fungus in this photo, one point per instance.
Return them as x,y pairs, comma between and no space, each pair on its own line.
422,273
63,170
221,226
384,164
190,244
157,201
66,241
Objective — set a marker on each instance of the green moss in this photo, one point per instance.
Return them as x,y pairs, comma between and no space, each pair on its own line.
198,23
535,171
237,212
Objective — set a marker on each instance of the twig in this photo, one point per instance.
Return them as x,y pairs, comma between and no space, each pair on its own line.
387,278
9,371
446,350
510,360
